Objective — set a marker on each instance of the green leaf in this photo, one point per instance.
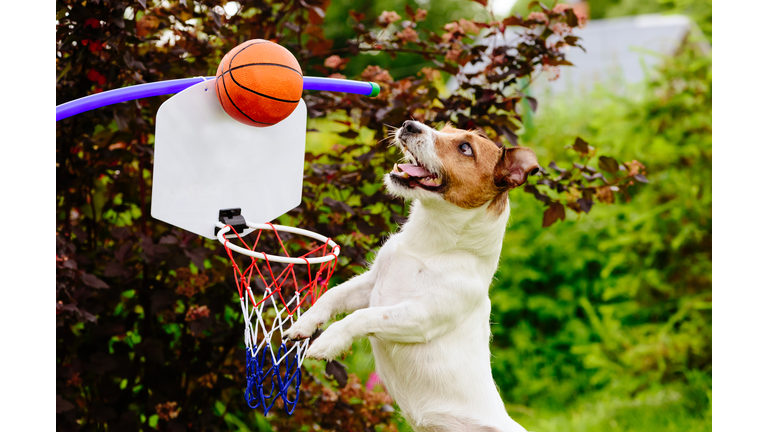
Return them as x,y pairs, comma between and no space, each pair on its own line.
67,68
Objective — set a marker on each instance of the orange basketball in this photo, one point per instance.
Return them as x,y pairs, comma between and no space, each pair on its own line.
259,83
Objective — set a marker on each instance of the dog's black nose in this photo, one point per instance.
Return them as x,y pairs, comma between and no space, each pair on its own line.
411,127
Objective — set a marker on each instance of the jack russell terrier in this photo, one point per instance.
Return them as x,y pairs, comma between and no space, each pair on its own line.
424,301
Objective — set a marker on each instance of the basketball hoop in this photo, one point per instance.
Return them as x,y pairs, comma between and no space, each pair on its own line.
273,365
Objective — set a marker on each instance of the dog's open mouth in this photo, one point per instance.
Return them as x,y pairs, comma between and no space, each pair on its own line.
413,175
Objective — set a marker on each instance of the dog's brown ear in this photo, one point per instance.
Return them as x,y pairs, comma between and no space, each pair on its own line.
514,166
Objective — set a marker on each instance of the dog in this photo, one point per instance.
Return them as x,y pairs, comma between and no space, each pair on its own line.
423,302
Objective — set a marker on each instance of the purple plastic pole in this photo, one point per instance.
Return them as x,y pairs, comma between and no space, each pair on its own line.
125,94
341,85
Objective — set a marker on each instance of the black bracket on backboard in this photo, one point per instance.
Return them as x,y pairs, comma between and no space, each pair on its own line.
231,217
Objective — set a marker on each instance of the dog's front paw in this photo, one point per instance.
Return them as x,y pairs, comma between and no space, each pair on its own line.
304,327
331,343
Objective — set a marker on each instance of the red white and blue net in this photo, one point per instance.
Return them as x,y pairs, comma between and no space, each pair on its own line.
272,298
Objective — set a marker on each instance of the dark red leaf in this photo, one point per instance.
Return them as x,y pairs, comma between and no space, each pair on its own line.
121,232
539,196
168,239
366,228
121,254
554,212
571,40
161,300
338,371
513,20
581,146
585,204
101,362
532,101
197,327
356,16
593,176
554,166
608,164
510,134
216,18
338,205
641,178
409,10
314,9
93,282
197,256
63,405
114,269
570,18
152,349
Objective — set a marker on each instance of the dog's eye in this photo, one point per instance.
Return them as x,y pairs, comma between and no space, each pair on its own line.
466,149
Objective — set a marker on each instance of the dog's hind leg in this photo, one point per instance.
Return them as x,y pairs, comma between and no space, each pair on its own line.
350,296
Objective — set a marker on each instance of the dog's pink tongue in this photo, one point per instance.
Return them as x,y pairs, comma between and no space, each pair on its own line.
414,170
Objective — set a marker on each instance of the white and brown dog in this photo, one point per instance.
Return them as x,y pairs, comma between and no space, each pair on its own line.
424,301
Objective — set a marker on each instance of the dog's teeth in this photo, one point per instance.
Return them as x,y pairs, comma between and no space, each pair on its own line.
431,181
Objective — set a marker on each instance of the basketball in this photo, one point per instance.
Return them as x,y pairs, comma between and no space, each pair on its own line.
259,83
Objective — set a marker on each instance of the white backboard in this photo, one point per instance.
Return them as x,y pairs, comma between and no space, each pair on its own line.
205,161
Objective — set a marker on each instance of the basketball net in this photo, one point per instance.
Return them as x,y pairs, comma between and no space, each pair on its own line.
273,365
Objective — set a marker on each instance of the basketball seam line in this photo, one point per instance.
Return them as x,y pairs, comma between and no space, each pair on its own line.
263,64
257,93
246,88
235,105
241,50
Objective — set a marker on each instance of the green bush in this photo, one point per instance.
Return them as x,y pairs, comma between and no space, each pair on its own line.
619,302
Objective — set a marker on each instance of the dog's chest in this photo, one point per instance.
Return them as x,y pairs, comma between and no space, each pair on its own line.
399,275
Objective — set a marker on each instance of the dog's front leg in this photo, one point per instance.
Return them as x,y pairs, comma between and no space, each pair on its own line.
352,295
407,322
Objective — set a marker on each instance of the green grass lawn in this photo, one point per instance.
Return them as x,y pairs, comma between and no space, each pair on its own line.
665,410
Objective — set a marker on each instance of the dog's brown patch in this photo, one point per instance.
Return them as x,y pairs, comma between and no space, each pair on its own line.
487,175
497,206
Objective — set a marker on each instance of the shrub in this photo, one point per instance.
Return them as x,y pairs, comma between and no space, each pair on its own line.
620,301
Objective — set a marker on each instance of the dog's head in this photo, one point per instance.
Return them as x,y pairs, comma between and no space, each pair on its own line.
462,167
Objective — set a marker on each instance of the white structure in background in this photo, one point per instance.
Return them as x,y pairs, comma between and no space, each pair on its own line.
620,51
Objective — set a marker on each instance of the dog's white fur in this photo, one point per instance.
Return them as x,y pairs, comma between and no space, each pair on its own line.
424,306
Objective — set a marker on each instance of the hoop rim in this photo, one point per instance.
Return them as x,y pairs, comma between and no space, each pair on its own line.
334,254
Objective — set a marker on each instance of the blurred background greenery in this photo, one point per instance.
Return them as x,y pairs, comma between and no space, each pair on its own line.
603,322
